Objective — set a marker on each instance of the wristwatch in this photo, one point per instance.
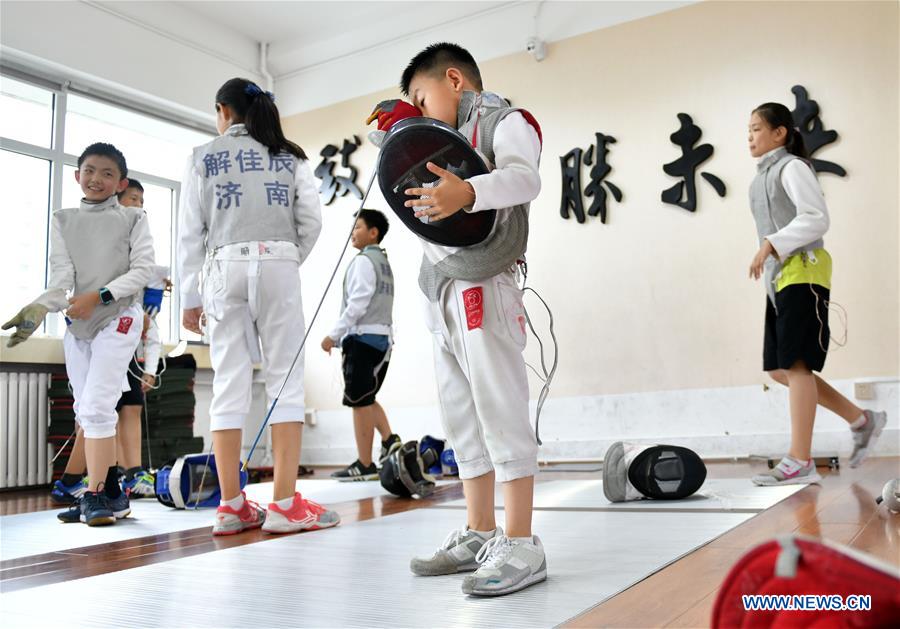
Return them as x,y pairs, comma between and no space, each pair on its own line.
106,297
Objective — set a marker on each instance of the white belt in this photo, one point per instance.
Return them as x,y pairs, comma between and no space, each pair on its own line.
267,249
253,252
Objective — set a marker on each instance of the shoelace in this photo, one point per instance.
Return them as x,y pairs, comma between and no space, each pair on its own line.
453,539
94,500
495,552
253,507
315,507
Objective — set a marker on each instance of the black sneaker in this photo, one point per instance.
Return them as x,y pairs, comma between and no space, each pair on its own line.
356,471
389,446
95,509
120,506
72,514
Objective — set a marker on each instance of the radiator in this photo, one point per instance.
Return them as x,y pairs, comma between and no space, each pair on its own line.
24,451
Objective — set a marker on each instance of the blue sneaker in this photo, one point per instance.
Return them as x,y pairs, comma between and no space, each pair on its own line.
72,514
120,506
67,494
95,509
143,484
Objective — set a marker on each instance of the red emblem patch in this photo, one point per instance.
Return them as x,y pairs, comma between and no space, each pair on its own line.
124,325
473,298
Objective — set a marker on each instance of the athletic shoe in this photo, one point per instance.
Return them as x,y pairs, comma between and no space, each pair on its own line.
456,554
389,446
67,494
789,472
304,515
507,565
231,522
120,505
72,514
356,471
96,510
864,438
141,485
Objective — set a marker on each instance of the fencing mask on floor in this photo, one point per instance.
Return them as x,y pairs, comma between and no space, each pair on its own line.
634,471
403,472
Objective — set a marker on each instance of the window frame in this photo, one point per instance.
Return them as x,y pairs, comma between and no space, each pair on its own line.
59,159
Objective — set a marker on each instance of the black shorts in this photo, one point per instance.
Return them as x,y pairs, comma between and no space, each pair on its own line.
134,396
361,382
798,328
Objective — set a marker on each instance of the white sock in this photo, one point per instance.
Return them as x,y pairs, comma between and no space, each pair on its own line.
529,539
234,503
485,535
798,461
859,423
285,503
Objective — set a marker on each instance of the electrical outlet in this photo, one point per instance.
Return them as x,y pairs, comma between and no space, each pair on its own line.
864,391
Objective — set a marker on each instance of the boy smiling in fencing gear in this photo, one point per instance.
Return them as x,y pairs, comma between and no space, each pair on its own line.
102,252
478,323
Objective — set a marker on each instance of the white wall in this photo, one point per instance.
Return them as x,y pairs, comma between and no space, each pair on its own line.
660,330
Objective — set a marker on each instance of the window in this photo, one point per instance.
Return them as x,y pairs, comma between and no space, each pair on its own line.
25,185
39,176
149,144
27,112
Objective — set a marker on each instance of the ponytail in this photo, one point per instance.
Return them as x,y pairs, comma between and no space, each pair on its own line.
777,115
795,143
256,109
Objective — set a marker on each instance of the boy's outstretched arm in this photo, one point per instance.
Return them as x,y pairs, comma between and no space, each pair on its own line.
54,299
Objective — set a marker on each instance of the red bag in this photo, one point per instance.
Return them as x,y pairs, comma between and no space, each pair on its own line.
797,581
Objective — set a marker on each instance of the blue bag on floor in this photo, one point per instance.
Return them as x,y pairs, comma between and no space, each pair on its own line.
190,482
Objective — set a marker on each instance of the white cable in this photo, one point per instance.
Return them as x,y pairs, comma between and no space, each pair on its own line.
548,373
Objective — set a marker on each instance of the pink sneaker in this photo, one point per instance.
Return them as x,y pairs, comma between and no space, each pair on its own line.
304,515
231,522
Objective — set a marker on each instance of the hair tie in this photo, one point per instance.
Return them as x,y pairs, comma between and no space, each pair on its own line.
253,90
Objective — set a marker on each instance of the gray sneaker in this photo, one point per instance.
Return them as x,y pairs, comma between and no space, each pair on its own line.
788,472
507,566
456,554
865,437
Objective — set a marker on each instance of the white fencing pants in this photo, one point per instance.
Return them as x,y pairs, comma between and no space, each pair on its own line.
97,367
250,289
479,332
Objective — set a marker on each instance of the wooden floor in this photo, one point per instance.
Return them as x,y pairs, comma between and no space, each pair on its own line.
842,509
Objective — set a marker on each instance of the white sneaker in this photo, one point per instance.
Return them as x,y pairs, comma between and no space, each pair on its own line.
456,554
507,566
789,472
